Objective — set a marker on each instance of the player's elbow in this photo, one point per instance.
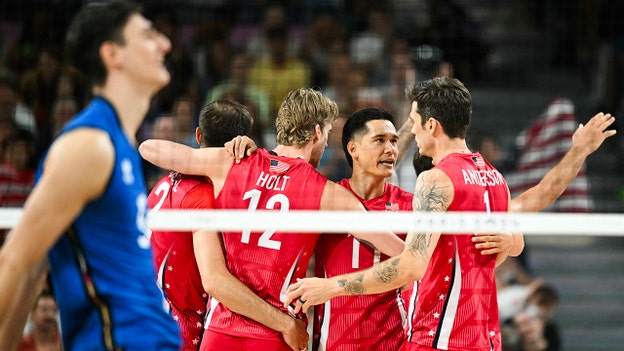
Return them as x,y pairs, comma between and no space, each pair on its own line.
415,275
413,266
414,271
211,285
146,149
518,245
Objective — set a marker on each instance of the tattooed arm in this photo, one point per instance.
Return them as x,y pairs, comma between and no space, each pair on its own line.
434,192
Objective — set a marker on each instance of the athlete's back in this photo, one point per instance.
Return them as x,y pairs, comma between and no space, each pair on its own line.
100,308
267,262
452,301
174,256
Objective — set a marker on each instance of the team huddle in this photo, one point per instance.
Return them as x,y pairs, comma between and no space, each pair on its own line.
248,290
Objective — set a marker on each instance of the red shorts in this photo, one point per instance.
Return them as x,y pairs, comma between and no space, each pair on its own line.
410,346
213,341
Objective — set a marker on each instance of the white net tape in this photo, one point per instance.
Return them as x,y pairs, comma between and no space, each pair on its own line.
346,221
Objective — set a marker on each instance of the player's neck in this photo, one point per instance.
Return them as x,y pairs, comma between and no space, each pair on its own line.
294,151
131,106
446,147
366,185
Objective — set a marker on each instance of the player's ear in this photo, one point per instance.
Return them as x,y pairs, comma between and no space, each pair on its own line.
352,149
109,54
318,133
432,125
198,136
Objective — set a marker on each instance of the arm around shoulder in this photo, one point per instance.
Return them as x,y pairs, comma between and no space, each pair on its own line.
213,162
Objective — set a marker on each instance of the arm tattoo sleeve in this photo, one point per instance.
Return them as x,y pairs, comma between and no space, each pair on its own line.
432,197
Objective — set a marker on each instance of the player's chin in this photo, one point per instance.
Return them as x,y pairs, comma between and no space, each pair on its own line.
164,77
386,172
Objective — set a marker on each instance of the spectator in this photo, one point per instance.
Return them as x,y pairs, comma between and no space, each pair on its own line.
534,329
367,48
185,117
165,128
64,108
338,86
324,35
45,333
12,110
491,148
238,88
546,299
540,145
402,74
259,45
17,172
37,91
278,73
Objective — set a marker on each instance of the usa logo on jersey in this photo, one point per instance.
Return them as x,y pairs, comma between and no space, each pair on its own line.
478,161
277,166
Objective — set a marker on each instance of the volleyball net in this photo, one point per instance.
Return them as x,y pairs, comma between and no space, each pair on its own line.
591,224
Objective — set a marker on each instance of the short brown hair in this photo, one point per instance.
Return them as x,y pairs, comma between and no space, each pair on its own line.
445,99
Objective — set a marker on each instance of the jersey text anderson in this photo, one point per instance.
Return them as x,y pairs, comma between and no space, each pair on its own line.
482,177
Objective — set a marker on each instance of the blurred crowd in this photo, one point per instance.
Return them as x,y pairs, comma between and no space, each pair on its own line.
360,53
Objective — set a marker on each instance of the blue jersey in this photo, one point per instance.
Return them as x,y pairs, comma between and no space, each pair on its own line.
101,268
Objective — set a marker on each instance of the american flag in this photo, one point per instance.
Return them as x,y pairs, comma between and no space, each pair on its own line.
478,161
392,207
277,166
541,146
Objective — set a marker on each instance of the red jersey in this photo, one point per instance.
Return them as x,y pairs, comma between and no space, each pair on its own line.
28,343
174,258
362,322
267,262
453,302
15,185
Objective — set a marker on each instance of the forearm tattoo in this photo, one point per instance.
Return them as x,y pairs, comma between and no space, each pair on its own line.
353,287
417,245
386,271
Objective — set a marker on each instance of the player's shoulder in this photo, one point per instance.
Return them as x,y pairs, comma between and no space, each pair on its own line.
395,190
90,145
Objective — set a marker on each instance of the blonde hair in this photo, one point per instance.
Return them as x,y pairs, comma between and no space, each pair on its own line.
301,110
